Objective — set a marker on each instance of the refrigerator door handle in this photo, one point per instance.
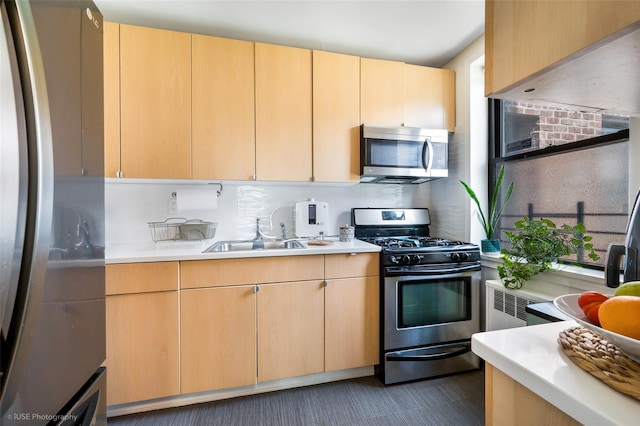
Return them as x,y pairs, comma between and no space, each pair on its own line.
19,27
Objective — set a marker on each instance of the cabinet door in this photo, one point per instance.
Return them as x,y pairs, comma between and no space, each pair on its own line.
290,330
382,92
428,97
155,102
352,324
217,338
223,142
111,55
336,117
525,37
142,346
283,113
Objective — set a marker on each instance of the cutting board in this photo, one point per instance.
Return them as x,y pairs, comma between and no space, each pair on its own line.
319,242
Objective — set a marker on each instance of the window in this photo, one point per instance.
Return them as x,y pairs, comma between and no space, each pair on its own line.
567,166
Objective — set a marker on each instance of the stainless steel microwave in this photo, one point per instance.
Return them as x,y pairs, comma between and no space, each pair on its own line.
402,154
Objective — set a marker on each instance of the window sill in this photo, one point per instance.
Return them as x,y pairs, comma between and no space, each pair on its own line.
563,279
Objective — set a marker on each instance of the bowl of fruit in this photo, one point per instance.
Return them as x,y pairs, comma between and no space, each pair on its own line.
614,318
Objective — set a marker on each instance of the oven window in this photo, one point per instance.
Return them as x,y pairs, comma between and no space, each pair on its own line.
433,301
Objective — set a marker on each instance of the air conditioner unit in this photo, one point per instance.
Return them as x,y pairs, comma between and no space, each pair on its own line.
505,308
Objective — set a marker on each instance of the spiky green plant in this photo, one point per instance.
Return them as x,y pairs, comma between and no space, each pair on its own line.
489,221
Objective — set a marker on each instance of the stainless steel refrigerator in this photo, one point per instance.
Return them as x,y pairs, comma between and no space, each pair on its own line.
52,312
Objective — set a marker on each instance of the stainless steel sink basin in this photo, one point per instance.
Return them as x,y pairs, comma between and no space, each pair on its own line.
248,245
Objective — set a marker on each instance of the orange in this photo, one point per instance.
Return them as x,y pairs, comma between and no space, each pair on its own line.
621,314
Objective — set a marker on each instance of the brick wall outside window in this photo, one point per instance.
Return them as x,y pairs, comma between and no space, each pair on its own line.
557,126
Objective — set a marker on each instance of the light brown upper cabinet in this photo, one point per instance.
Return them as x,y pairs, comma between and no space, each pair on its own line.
336,117
223,141
523,38
429,97
283,113
381,92
111,54
155,103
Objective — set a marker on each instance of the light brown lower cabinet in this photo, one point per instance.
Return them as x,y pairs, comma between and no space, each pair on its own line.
142,346
290,329
352,322
240,321
142,331
509,403
217,338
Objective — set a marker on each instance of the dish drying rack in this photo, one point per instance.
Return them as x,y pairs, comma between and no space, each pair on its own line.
179,228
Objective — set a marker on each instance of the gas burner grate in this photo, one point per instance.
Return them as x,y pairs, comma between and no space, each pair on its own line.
411,242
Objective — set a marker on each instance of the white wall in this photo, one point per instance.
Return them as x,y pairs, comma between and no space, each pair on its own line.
131,204
451,209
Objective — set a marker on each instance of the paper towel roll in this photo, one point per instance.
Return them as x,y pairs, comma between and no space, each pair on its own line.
196,199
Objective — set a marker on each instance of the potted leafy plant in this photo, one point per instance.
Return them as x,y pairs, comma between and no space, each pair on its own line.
490,221
536,245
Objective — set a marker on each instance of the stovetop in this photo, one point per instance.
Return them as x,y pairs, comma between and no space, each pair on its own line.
404,237
423,242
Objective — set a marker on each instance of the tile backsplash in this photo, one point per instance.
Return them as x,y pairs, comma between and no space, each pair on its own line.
131,204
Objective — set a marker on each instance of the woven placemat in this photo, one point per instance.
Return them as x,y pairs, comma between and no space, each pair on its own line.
601,359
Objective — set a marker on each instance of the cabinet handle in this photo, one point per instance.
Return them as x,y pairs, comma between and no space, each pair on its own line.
119,174
256,288
352,254
325,283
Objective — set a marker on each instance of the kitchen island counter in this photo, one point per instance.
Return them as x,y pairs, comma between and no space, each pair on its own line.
532,357
165,252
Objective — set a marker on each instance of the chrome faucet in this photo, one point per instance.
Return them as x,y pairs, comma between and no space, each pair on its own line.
258,243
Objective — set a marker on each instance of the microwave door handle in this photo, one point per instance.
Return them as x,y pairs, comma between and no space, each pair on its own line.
427,154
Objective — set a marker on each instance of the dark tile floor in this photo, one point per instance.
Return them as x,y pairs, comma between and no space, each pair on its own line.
454,400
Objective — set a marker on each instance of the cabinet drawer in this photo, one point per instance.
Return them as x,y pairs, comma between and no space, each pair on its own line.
224,272
141,277
352,265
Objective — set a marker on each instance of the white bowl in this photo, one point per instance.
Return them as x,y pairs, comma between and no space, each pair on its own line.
568,304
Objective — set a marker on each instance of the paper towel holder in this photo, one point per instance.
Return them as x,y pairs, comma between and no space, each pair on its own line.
174,194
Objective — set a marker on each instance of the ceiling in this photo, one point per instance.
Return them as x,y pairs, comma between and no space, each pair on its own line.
421,32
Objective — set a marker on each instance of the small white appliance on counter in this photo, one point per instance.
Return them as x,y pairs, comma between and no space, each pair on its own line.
312,218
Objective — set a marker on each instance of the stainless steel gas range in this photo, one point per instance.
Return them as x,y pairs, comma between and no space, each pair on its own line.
430,295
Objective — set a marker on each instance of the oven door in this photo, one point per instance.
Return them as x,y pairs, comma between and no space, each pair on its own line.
421,310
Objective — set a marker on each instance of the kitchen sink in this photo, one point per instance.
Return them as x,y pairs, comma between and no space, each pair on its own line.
248,245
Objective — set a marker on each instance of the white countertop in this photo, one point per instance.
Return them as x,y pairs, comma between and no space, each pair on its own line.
533,358
172,251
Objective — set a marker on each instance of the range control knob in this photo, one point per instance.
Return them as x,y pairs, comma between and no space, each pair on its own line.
394,260
406,260
459,257
416,259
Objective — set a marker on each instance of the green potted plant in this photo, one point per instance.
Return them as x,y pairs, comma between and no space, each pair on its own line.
489,221
536,245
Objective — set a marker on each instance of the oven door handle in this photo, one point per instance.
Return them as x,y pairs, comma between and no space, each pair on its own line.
417,270
457,350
